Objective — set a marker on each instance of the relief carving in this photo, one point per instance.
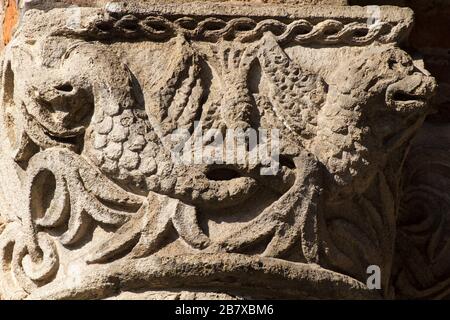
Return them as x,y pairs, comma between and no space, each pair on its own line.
422,264
96,207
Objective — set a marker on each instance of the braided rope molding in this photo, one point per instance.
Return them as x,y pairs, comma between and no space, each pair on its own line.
243,29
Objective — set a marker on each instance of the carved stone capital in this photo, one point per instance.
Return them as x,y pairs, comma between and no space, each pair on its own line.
94,205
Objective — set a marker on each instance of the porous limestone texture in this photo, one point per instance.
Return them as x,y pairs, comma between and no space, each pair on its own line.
94,206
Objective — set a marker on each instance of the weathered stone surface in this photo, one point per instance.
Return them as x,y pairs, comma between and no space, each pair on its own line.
430,38
422,260
93,3
93,204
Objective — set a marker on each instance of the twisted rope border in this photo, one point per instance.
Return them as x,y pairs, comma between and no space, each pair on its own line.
243,29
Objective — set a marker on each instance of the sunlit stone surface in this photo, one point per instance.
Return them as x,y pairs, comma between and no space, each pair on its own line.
93,205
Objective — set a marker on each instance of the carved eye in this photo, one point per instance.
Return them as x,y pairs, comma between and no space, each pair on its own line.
66,87
392,64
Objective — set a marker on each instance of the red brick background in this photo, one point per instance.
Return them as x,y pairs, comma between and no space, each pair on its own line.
10,19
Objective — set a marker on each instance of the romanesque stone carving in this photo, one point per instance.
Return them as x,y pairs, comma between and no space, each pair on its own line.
422,263
94,206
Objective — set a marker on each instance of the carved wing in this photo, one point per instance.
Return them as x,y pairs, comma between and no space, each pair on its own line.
295,94
177,96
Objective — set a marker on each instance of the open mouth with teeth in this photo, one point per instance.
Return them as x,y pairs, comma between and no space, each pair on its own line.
63,112
42,132
405,100
409,97
411,93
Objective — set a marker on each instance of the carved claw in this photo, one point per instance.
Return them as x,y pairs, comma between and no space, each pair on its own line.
144,233
124,239
291,220
170,213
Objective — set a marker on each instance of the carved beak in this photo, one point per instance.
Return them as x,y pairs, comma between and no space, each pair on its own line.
411,94
411,98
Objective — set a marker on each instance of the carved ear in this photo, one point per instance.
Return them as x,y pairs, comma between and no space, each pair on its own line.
296,95
177,96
